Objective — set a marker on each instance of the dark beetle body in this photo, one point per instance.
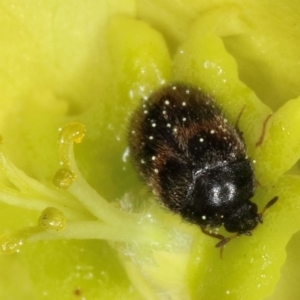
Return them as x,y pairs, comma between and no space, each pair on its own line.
193,159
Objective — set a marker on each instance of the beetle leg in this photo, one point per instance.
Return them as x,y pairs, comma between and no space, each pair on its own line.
239,117
224,241
261,138
212,234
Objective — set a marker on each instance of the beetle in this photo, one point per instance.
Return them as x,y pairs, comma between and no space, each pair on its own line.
195,161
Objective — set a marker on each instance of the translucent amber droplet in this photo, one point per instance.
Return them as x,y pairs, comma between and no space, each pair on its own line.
72,132
64,177
52,219
10,244
69,134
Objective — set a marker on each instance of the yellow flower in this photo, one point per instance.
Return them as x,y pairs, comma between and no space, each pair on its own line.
81,226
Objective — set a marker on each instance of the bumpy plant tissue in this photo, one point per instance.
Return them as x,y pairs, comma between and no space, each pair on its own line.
75,220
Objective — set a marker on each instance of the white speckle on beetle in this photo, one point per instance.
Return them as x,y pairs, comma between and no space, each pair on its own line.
153,157
175,129
187,92
145,112
167,102
142,161
212,131
125,155
156,171
183,103
254,161
133,131
153,124
174,88
164,112
203,217
183,119
201,140
169,125
150,137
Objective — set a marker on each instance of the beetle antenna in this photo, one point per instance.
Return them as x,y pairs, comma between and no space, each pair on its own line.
268,205
224,240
